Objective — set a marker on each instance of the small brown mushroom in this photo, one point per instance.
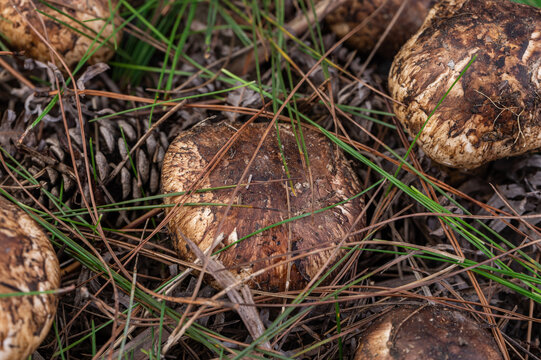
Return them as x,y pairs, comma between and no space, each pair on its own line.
426,333
494,111
346,17
71,44
268,199
27,263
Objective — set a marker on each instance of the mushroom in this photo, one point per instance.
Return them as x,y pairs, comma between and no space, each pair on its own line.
265,198
494,110
426,333
71,39
346,17
27,263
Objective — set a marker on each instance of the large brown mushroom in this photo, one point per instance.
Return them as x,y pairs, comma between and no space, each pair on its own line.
27,263
346,17
71,39
494,111
426,333
305,243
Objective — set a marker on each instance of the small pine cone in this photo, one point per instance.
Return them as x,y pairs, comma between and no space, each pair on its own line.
112,140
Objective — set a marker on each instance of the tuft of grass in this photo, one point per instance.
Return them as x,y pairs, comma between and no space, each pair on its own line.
536,3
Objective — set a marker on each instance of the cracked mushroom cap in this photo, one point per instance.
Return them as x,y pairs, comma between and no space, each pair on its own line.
70,44
268,200
426,333
353,12
494,111
27,263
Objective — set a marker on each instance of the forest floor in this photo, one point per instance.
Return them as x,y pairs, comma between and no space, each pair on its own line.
91,170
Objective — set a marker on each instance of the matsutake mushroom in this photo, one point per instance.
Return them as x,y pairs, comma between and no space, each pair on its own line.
28,263
322,200
494,110
426,333
353,12
70,38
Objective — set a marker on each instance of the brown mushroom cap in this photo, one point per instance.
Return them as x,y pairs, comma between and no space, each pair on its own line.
69,44
346,17
269,200
27,263
494,110
426,333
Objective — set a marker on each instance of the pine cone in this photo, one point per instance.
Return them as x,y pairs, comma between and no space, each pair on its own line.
138,177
